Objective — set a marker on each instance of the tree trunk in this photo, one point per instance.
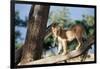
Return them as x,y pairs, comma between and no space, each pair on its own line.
32,48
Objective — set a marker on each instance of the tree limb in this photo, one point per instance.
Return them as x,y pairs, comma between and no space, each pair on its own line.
70,55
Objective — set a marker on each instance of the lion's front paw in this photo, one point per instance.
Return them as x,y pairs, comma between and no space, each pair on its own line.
64,53
77,48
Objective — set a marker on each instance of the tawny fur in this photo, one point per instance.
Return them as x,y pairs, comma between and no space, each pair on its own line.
64,36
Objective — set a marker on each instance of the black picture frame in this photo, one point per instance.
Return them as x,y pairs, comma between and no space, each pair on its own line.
12,36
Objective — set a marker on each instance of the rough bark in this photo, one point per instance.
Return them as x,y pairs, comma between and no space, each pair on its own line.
19,51
32,48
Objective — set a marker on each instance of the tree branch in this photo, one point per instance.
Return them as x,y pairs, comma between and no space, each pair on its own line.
70,55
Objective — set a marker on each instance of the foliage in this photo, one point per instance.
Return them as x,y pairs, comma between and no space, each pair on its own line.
17,35
61,17
19,23
48,43
17,45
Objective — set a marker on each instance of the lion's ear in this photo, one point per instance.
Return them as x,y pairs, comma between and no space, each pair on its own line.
58,27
